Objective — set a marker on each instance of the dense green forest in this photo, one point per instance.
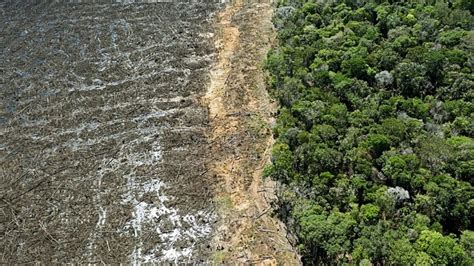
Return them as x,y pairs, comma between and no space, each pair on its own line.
374,135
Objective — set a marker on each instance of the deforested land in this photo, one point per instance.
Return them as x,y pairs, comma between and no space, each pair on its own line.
135,132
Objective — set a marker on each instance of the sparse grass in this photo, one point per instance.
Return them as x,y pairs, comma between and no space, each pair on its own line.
257,125
219,257
224,203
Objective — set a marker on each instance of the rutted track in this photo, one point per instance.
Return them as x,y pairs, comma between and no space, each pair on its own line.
103,139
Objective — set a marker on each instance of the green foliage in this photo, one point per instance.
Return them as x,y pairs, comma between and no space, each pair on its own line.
411,79
332,231
377,144
443,250
451,37
356,67
467,241
374,138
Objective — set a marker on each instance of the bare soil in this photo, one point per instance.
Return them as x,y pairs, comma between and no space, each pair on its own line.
103,143
241,112
134,133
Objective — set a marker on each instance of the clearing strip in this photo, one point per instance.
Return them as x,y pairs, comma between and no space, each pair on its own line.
241,111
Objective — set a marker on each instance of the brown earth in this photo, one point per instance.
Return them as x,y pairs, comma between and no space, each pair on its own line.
103,139
241,112
111,149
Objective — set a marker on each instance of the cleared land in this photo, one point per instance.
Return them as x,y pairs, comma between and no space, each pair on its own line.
136,133
241,113
103,139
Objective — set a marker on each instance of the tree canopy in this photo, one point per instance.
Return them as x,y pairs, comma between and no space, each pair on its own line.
374,136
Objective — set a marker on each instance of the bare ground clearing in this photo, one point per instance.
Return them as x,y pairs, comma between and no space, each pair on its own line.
103,137
241,111
112,150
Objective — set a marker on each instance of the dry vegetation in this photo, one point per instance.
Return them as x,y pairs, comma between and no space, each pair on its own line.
241,113
103,139
111,150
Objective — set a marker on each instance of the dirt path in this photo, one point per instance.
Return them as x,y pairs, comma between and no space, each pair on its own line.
240,112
